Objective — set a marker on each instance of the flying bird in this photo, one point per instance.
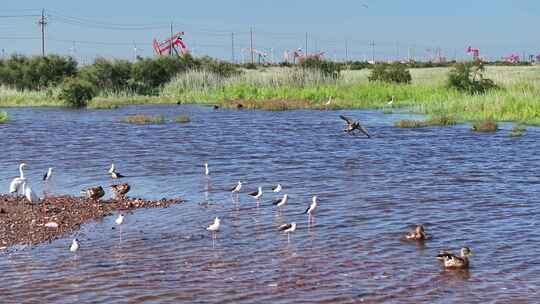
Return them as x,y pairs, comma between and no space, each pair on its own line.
120,190
47,176
353,125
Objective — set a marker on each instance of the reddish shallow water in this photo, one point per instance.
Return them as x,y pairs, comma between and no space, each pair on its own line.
468,190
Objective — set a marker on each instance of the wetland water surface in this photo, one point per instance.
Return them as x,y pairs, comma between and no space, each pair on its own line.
468,190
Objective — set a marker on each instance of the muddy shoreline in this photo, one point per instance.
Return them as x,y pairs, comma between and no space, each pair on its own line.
24,224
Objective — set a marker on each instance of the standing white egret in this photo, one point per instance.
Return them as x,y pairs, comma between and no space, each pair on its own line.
29,194
16,183
310,211
47,176
74,245
288,228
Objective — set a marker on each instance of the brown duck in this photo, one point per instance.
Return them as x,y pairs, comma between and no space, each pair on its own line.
353,125
94,193
453,261
418,234
120,190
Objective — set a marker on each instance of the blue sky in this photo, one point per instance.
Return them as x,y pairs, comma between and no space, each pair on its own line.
110,28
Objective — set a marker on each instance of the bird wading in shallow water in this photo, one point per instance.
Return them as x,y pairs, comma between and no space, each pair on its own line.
354,125
120,190
310,211
15,186
288,228
74,245
418,234
453,261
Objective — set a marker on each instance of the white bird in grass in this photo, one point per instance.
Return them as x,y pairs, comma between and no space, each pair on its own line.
288,228
16,183
47,176
74,245
327,104
311,209
237,188
120,219
29,194
391,102
277,188
206,170
257,194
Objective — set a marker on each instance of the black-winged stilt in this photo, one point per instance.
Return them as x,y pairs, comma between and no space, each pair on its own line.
288,228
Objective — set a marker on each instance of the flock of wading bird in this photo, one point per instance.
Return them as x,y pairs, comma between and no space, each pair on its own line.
21,186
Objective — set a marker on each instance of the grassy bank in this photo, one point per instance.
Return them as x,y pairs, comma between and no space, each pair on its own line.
289,88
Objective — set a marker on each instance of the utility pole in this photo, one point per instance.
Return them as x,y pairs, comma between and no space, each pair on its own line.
171,42
346,50
251,44
232,47
372,44
42,22
306,51
397,51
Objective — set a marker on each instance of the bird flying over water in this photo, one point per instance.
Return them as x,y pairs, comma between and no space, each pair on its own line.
353,125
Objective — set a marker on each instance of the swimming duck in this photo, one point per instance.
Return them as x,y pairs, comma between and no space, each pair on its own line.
353,125
453,261
417,235
120,190
94,193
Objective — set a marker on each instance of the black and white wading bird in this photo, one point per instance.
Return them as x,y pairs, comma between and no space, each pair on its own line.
310,211
74,245
214,227
256,194
236,189
15,187
277,188
113,173
288,228
282,201
47,176
354,125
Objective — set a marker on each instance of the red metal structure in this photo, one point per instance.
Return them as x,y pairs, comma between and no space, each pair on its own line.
475,52
173,44
512,58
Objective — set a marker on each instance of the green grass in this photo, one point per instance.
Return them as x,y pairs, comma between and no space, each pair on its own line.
4,117
141,119
288,88
486,126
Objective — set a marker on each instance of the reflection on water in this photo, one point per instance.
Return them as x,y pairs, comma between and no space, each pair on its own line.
468,190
